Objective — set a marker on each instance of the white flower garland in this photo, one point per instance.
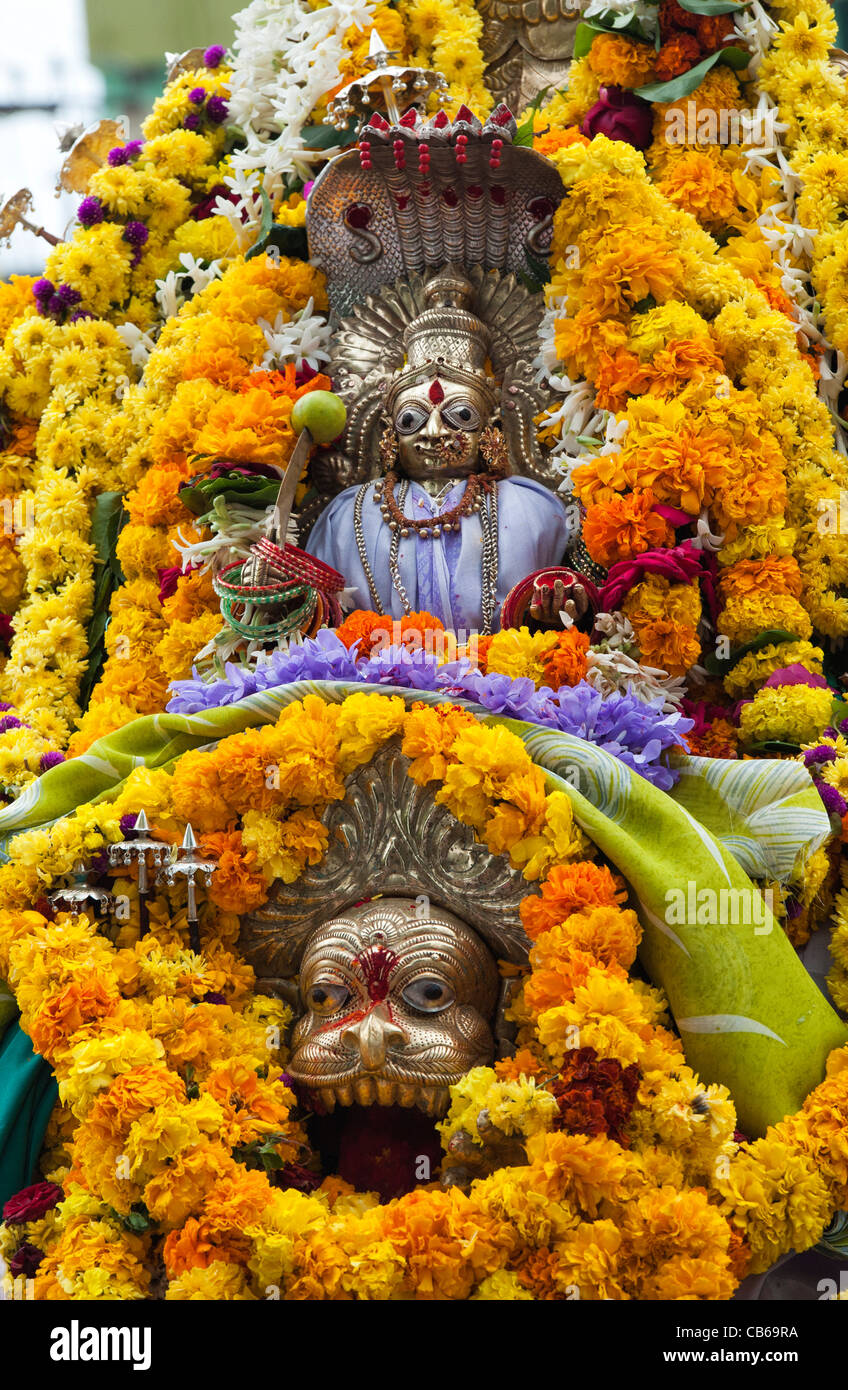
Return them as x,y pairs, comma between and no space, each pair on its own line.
287,57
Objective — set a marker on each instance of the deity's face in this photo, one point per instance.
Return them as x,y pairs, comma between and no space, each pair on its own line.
398,1007
438,426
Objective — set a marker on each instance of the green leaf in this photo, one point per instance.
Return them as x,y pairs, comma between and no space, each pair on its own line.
773,745
137,1219
525,132
585,37
524,135
264,226
686,83
717,665
326,137
107,519
106,523
290,241
261,1153
643,305
713,6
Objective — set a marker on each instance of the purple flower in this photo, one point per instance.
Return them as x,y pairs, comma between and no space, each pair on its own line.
10,722
43,291
197,96
630,729
213,998
620,115
323,657
213,55
90,212
217,110
51,759
136,233
498,693
127,822
412,670
68,294
192,121
4,705
835,804
81,314
822,754
123,154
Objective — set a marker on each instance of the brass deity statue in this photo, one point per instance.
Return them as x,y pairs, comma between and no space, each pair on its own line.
431,236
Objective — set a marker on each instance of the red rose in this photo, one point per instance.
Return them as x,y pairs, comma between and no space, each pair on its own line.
32,1202
620,115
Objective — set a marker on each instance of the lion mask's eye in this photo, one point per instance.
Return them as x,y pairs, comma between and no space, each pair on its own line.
428,994
325,997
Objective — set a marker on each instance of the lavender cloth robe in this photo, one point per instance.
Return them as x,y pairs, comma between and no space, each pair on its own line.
442,576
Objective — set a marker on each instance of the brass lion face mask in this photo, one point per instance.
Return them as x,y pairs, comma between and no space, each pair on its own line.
398,1007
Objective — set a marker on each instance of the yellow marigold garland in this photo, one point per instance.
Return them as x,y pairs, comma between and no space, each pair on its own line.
159,1088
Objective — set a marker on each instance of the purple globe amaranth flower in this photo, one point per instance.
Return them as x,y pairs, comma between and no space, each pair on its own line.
197,96
68,294
214,998
43,291
90,212
192,121
217,110
80,314
824,753
136,233
213,55
127,822
124,154
834,802
51,759
620,115
9,721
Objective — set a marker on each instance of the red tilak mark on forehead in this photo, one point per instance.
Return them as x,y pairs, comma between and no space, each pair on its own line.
376,965
436,393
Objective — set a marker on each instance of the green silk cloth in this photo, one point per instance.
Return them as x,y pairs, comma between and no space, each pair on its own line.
747,1011
28,1093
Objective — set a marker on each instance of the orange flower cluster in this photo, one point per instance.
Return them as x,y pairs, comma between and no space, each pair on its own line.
625,526
371,629
206,404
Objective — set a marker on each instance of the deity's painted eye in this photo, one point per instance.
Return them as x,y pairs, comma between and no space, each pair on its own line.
411,419
325,998
428,994
461,415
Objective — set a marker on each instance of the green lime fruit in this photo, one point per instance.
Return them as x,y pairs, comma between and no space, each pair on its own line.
322,413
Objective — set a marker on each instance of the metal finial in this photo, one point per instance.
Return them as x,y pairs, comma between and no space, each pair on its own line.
81,894
188,864
138,848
